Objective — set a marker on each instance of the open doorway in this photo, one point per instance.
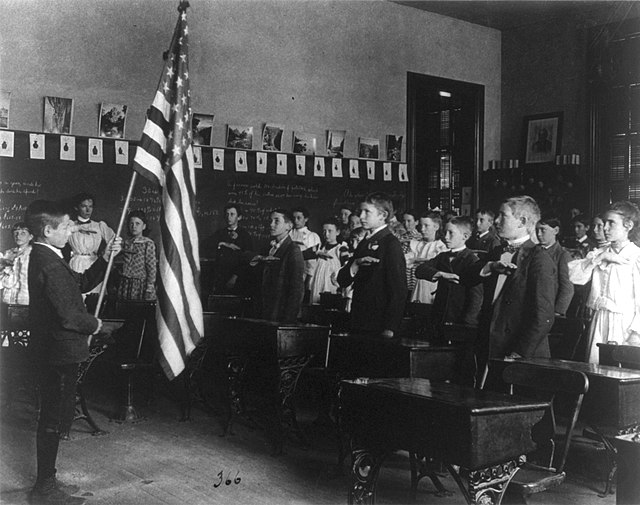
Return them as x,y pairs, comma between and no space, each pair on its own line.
444,142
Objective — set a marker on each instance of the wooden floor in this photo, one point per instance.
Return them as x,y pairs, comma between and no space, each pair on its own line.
163,461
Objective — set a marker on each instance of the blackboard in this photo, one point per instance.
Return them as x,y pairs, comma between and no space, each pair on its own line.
23,180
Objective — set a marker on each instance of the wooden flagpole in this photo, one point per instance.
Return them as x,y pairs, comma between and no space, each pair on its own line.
103,289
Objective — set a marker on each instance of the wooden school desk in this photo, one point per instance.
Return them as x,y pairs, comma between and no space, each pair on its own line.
481,436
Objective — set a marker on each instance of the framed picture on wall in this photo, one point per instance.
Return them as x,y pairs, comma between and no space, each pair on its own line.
58,114
202,126
542,137
112,120
335,143
239,137
304,143
368,148
272,138
5,107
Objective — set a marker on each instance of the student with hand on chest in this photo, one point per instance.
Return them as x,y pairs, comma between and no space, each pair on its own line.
282,287
520,286
454,302
377,272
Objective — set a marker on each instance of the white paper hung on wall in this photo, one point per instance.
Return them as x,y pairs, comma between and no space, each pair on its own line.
281,164
354,171
36,146
371,170
336,167
218,159
197,157
261,163
318,167
95,151
386,172
402,173
67,148
122,152
241,161
6,144
300,165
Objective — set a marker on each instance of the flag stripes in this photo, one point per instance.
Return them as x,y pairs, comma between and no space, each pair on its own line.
165,157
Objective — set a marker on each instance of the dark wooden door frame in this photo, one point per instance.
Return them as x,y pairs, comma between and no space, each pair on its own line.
413,80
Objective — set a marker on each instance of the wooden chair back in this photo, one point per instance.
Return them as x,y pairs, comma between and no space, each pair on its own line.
550,383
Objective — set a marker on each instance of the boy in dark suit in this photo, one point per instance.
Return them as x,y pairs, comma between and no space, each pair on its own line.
282,272
454,302
520,286
377,271
228,246
60,329
484,238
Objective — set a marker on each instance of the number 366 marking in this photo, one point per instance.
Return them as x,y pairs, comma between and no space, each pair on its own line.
228,480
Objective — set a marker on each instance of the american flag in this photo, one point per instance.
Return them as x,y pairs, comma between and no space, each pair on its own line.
165,156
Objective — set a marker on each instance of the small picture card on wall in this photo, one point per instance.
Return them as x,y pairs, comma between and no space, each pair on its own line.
336,167
300,162
394,147
122,152
335,143
201,128
36,146
304,143
371,170
218,159
402,173
241,161
112,120
318,167
240,137
386,172
281,164
6,144
197,157
261,163
67,148
58,113
354,172
368,148
272,138
95,151
5,108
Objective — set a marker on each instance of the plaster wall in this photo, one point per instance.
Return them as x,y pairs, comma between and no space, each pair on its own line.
306,65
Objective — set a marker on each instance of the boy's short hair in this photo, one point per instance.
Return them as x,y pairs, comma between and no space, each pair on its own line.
551,220
412,212
357,232
581,218
303,210
288,217
382,202
233,206
434,215
41,213
524,206
20,226
331,220
463,223
486,212
346,206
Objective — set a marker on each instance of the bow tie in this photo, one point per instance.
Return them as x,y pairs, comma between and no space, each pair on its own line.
511,248
233,234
